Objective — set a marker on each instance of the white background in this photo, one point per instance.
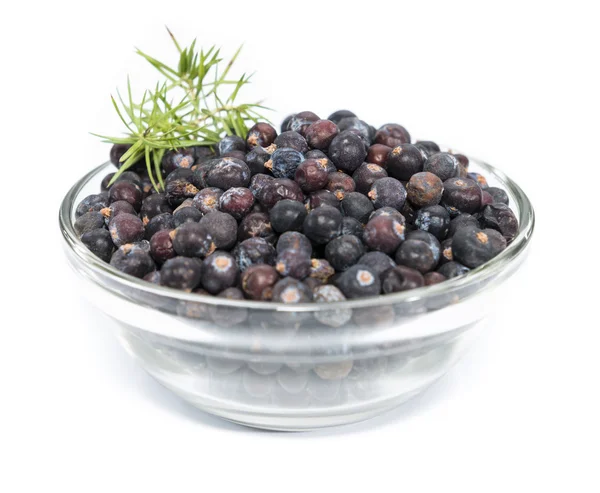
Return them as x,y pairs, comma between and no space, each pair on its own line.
515,83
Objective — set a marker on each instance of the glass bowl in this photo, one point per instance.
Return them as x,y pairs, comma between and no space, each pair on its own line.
295,367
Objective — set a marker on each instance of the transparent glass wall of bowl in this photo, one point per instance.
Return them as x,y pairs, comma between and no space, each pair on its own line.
293,368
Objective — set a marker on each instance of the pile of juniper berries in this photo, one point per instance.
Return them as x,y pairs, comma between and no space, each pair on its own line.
277,217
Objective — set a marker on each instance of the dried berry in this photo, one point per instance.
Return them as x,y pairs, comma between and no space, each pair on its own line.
460,221
347,151
392,135
179,158
159,223
384,234
292,140
500,218
256,160
433,219
424,189
133,260
254,251
338,115
432,278
256,225
237,202
473,247
228,173
417,255
279,189
453,269
290,290
152,206
186,215
499,196
358,281
428,147
366,175
358,206
99,242
293,263
231,143
387,192
344,251
340,184
125,228
461,195
178,190
128,191
403,161
261,134
161,246
181,273
89,222
312,175
207,199
378,261
293,240
351,226
323,224
222,228
320,134
443,164
284,162
193,240
287,215
219,272
401,278
378,154
258,280
322,197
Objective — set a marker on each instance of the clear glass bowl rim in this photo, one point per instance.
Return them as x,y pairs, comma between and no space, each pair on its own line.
480,274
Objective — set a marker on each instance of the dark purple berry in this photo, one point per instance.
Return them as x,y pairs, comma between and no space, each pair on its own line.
284,162
291,291
351,226
404,161
202,153
279,189
344,251
428,238
340,184
291,140
432,278
231,143
152,277
447,255
347,151
130,176
159,223
384,234
366,175
322,197
499,196
424,189
186,215
356,126
293,263
254,251
461,195
358,206
338,115
416,255
176,191
178,158
258,280
219,272
401,278
88,222
453,269
301,121
261,134
378,154
409,212
133,260
128,191
292,240
236,201
92,203
392,135
126,228
116,153
181,273
486,198
433,219
377,261
153,205
443,164
222,228
200,174
387,192
321,269
161,246
287,215
228,173
99,242
428,147
256,225
480,179
104,185
180,173
358,281
193,240
258,182
256,160
388,211
322,158
323,224
461,221
320,134
312,175
207,199
500,218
